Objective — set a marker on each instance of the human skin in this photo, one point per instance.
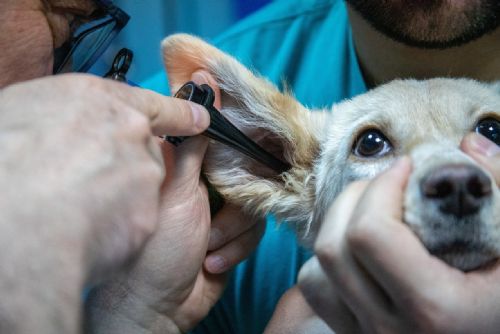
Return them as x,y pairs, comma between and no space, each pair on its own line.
382,59
372,275
96,210
450,299
168,291
379,277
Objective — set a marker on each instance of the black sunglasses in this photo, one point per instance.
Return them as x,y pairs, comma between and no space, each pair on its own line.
91,39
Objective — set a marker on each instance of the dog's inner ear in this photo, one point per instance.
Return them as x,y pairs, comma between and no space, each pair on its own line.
257,130
282,127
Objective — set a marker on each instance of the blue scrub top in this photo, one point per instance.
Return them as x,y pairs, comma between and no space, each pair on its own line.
308,45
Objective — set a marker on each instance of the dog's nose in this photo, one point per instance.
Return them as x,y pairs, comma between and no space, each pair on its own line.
459,189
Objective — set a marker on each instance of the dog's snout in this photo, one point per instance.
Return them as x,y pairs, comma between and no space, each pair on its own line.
458,189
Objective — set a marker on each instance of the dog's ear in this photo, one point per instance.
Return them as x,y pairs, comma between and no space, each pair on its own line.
274,120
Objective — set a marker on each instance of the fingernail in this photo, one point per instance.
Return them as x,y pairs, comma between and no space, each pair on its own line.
216,238
201,117
215,264
480,144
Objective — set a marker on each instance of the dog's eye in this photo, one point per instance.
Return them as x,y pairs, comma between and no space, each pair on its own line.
371,143
490,128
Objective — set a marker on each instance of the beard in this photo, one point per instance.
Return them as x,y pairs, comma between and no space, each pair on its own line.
430,24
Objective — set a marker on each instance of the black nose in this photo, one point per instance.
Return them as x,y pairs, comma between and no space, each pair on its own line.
458,189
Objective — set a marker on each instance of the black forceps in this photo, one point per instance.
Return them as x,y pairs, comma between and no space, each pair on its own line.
223,131
220,129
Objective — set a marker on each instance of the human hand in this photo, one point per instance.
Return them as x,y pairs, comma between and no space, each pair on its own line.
484,151
293,315
372,275
173,285
80,174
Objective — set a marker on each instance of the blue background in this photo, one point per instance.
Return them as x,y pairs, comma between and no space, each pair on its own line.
152,20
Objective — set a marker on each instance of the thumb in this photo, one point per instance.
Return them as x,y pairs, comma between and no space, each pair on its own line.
183,163
484,151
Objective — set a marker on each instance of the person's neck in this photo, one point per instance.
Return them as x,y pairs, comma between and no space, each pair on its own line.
383,59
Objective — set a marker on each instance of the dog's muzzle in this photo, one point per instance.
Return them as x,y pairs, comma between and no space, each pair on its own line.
458,190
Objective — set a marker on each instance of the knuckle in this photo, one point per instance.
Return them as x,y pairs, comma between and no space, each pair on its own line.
359,231
310,276
153,171
428,315
135,123
86,83
144,228
183,113
157,172
141,123
328,253
152,102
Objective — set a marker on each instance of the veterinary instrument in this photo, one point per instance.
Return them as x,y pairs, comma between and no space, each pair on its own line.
220,128
223,131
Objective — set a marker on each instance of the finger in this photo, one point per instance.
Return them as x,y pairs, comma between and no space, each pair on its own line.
484,151
323,298
229,223
167,115
357,289
183,164
234,252
384,245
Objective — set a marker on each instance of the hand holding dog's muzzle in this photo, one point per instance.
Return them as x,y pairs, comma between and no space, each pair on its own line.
486,152
382,277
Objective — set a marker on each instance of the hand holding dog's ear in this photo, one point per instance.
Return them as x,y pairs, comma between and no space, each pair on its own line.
485,152
168,287
80,172
233,235
381,278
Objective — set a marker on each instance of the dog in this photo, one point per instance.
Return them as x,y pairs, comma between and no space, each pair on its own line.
451,203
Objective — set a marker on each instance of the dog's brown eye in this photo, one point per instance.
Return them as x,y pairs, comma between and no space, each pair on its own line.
490,128
371,143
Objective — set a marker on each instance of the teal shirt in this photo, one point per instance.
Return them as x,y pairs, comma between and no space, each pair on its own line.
308,45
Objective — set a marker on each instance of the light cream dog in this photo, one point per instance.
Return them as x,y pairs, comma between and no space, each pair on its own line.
452,204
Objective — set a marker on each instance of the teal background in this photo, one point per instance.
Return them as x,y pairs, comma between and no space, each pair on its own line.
152,20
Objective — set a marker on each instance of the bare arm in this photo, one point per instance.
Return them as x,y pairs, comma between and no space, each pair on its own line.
294,316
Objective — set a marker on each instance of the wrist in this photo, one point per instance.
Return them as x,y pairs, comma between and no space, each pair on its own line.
112,308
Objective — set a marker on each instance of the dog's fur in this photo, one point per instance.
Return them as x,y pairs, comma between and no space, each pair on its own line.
423,119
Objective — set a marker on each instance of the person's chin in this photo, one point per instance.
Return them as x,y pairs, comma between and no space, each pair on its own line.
430,24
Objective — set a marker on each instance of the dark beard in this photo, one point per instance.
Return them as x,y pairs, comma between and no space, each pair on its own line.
430,24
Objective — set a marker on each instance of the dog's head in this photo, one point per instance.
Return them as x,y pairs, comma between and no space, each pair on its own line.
452,204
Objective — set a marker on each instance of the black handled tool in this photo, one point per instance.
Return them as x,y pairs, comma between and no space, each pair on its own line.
220,128
223,131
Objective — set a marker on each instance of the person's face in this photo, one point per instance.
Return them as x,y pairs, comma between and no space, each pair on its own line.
430,23
29,32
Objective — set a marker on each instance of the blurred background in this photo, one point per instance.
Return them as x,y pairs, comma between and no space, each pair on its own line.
152,20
